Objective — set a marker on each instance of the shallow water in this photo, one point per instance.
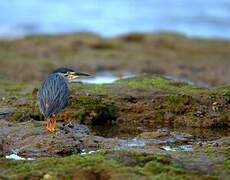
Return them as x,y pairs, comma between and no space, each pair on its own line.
184,137
167,143
200,134
178,148
105,77
17,157
175,139
195,18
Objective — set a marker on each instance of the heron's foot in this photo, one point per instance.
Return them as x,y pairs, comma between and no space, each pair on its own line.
51,124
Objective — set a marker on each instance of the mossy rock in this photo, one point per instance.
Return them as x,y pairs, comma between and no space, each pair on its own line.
141,101
93,110
102,165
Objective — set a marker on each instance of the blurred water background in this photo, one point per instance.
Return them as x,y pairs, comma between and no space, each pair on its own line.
202,18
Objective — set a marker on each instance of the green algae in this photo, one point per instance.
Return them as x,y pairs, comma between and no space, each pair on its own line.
110,164
55,166
227,150
177,103
93,110
158,82
99,88
159,117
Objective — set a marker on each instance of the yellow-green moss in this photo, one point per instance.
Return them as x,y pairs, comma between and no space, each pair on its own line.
147,166
171,101
93,110
160,83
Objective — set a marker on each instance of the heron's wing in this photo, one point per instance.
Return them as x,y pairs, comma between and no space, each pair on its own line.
53,95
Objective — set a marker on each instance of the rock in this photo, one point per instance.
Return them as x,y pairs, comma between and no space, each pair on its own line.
31,139
180,134
6,110
179,137
154,134
199,114
22,101
225,141
215,107
75,128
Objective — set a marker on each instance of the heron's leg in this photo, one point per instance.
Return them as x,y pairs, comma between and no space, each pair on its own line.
51,124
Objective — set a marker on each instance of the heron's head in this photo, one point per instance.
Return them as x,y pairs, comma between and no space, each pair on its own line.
69,74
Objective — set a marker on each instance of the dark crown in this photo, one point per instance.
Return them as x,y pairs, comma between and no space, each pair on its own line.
63,70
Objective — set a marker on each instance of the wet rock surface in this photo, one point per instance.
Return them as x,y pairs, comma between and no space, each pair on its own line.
31,139
6,110
135,106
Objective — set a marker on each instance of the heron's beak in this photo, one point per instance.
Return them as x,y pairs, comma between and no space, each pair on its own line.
81,74
74,75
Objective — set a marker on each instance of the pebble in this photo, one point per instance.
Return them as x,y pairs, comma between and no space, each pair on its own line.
215,106
199,114
47,176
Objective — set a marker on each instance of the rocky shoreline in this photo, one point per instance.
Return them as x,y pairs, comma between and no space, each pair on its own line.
143,127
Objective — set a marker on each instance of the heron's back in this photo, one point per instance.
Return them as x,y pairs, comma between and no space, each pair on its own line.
53,95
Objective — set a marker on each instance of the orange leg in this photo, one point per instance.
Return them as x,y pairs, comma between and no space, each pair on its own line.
51,124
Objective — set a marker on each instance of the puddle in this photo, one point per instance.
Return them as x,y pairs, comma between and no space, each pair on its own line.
132,143
141,143
16,157
85,152
185,148
105,77
198,134
171,138
177,139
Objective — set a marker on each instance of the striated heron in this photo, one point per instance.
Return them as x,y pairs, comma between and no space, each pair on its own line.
53,94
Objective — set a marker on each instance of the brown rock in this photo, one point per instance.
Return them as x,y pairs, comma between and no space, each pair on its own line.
153,134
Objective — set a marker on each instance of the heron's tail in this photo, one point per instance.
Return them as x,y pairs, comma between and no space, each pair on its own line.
51,124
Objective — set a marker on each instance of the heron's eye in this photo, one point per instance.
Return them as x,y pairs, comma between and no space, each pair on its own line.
66,74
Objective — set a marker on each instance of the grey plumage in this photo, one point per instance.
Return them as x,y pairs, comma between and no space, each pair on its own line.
53,94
